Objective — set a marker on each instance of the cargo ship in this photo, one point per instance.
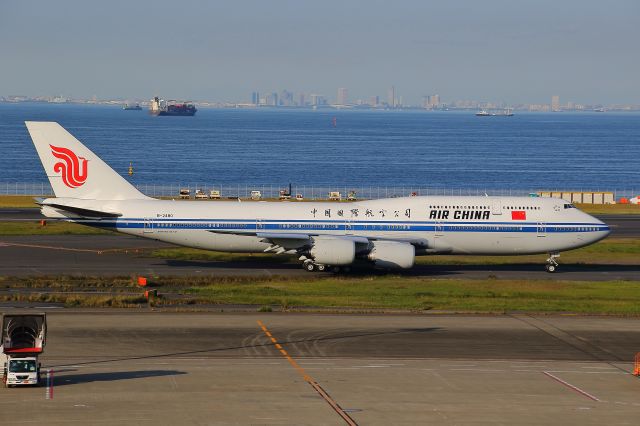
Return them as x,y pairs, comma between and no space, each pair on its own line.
175,108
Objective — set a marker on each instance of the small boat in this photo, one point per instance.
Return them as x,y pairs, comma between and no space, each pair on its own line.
130,107
505,113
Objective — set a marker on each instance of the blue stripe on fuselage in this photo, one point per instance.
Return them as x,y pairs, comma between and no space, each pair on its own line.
319,225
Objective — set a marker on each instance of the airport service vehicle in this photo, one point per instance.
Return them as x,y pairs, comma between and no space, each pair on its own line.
384,233
185,193
23,340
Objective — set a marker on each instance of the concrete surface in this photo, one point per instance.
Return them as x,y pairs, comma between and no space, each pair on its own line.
115,367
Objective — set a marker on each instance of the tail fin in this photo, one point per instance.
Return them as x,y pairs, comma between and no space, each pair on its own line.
73,170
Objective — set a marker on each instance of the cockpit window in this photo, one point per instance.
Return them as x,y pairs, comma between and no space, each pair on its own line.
569,206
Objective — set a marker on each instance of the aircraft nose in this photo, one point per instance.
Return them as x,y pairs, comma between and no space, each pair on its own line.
603,230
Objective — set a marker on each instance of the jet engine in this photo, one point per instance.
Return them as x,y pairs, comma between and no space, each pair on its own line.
392,254
333,251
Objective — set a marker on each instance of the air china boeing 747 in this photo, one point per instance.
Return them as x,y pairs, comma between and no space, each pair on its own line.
386,233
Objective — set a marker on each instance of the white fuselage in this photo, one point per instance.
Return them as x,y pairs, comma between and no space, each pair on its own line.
433,224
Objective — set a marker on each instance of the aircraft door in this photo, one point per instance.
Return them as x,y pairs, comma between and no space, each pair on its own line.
147,227
541,229
259,225
496,206
439,229
348,227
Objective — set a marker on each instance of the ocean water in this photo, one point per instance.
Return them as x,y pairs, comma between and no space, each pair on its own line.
594,151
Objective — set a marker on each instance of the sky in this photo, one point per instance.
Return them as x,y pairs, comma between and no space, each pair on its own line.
585,51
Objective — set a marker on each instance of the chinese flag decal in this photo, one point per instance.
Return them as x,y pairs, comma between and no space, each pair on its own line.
518,215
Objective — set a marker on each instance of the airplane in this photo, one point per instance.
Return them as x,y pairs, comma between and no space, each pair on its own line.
384,233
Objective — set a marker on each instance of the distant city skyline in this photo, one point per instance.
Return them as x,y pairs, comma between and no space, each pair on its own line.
288,99
494,50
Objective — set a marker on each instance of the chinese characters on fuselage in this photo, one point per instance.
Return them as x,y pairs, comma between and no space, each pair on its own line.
368,213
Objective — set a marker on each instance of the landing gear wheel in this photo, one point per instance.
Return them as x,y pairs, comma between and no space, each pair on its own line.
309,266
321,267
336,269
552,264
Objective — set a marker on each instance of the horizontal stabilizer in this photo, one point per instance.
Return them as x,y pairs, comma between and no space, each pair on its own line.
82,208
83,212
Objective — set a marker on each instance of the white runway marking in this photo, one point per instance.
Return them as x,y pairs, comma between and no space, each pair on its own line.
570,386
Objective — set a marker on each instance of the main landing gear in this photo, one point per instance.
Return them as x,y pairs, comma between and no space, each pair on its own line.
310,266
552,264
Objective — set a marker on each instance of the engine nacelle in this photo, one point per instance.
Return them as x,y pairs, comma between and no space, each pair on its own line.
333,251
392,254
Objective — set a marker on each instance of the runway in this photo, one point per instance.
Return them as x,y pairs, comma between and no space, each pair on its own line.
117,367
120,255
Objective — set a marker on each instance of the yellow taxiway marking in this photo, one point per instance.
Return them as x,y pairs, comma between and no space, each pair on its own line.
307,378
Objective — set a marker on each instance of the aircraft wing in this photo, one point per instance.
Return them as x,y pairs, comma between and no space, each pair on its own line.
284,241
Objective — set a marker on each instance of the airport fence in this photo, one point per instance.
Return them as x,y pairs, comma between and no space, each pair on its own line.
310,192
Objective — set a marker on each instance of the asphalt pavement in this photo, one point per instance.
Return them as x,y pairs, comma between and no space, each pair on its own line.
150,368
118,255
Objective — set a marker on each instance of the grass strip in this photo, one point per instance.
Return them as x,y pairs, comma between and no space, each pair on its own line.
417,294
51,228
18,201
80,300
609,208
360,293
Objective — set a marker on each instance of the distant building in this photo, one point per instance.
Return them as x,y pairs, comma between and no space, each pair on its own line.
374,101
343,96
391,97
431,101
555,103
317,100
255,98
286,98
271,99
301,100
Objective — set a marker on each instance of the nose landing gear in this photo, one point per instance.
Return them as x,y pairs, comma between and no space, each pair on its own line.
552,264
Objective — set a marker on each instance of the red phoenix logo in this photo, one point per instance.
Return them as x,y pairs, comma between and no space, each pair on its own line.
73,173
